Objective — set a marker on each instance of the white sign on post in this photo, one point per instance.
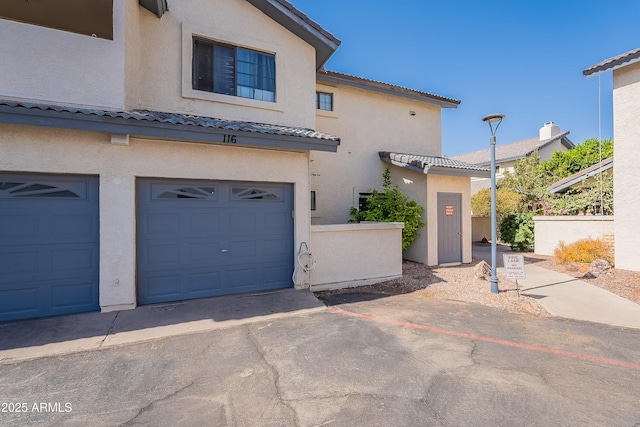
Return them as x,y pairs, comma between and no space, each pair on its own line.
513,266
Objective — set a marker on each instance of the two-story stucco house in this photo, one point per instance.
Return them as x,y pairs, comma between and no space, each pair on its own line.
153,155
626,134
156,151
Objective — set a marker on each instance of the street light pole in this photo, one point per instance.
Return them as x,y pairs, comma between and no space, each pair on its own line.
491,119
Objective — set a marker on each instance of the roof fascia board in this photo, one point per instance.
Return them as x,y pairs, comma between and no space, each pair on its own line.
324,46
374,88
164,131
440,170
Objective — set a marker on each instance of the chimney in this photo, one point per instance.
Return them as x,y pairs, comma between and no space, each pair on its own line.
548,131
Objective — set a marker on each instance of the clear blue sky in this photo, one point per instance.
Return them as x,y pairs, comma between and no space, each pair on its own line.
516,57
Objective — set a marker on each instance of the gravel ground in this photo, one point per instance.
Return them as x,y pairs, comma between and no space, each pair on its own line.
458,283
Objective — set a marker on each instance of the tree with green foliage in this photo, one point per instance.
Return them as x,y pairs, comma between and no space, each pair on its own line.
517,230
507,202
565,163
391,205
530,181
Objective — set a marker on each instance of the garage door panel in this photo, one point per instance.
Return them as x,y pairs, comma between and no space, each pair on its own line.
161,288
207,223
208,253
18,303
78,260
12,263
20,228
67,296
204,284
162,255
226,242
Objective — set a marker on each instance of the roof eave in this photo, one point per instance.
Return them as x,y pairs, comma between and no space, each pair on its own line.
157,7
614,63
162,131
372,86
567,185
433,169
292,19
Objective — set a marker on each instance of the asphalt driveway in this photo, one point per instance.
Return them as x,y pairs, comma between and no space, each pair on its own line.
363,361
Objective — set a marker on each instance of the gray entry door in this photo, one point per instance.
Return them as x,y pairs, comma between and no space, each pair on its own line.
49,245
449,227
206,238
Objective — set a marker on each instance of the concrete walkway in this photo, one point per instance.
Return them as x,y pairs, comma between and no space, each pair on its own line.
30,339
565,296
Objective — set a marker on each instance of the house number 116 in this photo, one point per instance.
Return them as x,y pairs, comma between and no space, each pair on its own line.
229,139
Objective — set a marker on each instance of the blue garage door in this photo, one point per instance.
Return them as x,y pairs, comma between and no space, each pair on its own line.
49,234
206,238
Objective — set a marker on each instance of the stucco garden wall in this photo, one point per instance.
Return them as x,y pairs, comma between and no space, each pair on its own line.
551,230
349,255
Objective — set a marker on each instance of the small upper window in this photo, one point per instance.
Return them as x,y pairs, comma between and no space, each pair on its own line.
324,101
231,70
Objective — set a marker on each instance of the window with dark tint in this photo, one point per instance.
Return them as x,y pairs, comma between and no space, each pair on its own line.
324,101
235,71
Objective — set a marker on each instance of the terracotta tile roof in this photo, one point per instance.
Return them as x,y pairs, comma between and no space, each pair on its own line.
513,151
179,119
613,63
433,164
342,78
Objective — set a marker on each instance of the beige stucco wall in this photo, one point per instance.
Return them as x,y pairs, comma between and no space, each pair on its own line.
626,174
414,185
480,228
349,255
58,66
164,81
551,230
367,122
46,150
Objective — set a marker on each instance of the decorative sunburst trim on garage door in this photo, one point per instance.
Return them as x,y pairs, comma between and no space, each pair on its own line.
40,189
162,191
256,193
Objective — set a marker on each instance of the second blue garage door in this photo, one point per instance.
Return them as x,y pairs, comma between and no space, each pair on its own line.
206,238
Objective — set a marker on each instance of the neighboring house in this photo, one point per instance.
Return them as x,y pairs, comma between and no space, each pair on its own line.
156,151
626,133
383,125
550,139
592,172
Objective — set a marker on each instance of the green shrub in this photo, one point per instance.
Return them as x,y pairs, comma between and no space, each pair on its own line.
517,230
391,205
585,250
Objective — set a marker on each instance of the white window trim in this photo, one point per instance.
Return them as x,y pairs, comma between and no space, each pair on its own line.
188,33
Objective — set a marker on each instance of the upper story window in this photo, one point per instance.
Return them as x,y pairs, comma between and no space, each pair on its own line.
232,70
324,101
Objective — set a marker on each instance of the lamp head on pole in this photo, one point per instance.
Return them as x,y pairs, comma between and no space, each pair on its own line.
493,118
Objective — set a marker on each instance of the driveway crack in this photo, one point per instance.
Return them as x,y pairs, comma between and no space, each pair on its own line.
151,404
276,376
111,327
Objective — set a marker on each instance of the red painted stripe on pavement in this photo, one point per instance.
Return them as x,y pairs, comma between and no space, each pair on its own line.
488,339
